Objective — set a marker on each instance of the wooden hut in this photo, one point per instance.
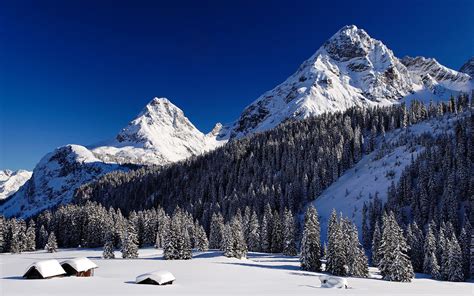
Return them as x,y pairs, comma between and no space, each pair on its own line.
82,267
44,270
156,278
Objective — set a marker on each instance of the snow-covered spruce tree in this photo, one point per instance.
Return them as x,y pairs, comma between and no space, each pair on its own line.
357,262
42,238
22,235
465,244
442,251
430,262
130,242
178,241
310,256
15,242
266,230
366,232
289,241
253,236
201,242
228,241
394,265
108,252
377,238
455,264
216,232
31,236
415,242
238,241
277,234
51,246
336,256
2,234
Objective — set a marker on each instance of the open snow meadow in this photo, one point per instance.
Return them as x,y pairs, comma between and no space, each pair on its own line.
208,273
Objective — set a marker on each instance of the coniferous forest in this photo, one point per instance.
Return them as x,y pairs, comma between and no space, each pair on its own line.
249,195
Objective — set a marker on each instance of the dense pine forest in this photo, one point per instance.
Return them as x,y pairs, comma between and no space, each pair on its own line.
248,194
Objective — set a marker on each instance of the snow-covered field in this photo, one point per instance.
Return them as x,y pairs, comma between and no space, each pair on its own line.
208,273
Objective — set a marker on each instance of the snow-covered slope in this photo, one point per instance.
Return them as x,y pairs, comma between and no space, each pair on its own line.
375,172
350,69
468,67
160,135
11,181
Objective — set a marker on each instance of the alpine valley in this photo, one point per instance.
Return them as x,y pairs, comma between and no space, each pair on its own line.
349,71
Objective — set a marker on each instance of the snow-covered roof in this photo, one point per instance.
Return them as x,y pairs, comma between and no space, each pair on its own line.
160,277
47,268
80,264
332,282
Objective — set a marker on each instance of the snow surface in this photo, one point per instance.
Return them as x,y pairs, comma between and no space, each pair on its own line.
375,172
11,181
47,268
208,273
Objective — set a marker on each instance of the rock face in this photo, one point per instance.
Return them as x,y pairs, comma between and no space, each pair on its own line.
468,67
160,135
11,181
350,69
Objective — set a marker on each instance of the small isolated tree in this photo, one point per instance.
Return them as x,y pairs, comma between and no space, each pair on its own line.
394,265
109,246
311,242
130,242
51,246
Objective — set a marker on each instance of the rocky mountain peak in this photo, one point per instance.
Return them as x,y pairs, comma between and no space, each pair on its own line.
468,67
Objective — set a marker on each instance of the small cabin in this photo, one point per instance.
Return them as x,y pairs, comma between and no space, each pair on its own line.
44,270
161,277
81,267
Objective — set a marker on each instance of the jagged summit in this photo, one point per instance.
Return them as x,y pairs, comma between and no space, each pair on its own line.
350,69
468,67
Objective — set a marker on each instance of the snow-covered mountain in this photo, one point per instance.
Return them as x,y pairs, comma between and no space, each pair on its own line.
468,67
159,135
11,181
350,69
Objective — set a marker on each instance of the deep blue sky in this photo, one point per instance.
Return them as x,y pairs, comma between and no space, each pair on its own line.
78,71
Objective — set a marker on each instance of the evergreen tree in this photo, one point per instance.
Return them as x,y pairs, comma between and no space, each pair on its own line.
2,234
277,234
216,232
130,242
357,262
239,246
415,242
51,246
336,256
394,265
311,242
253,236
15,238
455,263
43,237
178,241
31,236
376,241
228,241
202,243
289,243
465,244
266,230
108,252
430,262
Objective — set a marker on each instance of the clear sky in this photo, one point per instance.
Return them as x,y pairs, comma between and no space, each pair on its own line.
78,71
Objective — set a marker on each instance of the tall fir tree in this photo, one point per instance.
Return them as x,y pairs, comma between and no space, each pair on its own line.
395,264
130,242
31,236
415,242
376,240
430,261
455,263
51,246
108,252
289,241
216,232
253,236
336,256
277,234
310,256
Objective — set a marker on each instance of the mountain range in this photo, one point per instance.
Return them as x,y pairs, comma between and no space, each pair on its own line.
351,69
